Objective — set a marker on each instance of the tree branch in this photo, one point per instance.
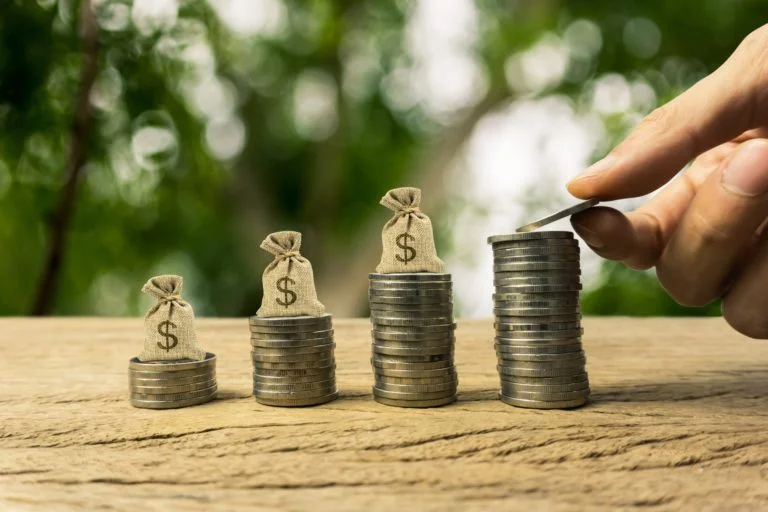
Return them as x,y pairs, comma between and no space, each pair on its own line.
81,128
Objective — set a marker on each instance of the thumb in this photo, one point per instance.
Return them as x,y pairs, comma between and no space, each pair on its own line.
713,111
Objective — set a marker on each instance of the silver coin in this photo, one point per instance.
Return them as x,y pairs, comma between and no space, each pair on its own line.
294,387
524,250
503,247
170,390
533,349
318,322
549,274
429,309
138,381
415,404
525,280
398,290
536,404
573,210
514,354
446,322
397,395
523,267
300,365
539,372
412,358
445,342
515,387
180,376
412,329
394,364
440,373
537,320
421,351
266,379
533,329
410,276
541,336
528,297
298,402
172,366
416,388
532,290
415,301
533,305
295,373
530,312
401,289
291,335
549,258
414,337
289,344
515,361
545,397
416,381
290,357
410,317
545,381
290,351
171,404
541,235
311,393
188,395
277,330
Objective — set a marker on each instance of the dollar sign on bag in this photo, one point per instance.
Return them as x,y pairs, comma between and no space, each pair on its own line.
283,286
409,253
170,339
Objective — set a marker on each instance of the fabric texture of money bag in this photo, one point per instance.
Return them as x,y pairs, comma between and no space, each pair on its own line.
169,325
407,239
289,283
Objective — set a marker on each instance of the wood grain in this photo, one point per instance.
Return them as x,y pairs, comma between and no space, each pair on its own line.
679,421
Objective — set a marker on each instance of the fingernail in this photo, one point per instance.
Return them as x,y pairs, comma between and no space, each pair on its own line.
598,167
590,237
747,172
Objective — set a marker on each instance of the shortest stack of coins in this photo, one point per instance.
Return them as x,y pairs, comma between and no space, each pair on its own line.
413,339
293,361
172,384
537,279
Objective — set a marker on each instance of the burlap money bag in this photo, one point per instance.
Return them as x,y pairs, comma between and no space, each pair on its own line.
289,283
407,239
169,325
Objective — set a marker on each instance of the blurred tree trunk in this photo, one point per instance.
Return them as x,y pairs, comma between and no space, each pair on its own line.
78,155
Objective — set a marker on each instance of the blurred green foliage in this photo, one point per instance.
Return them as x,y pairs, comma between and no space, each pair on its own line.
199,148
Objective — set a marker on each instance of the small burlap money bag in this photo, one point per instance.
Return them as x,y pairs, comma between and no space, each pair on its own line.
289,283
169,325
407,239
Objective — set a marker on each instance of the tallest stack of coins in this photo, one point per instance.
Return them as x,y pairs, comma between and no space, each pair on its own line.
537,279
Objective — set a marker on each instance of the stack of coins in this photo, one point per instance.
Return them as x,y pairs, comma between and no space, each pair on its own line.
537,279
172,384
293,362
412,316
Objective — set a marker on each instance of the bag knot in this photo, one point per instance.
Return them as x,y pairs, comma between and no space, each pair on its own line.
409,210
287,254
172,297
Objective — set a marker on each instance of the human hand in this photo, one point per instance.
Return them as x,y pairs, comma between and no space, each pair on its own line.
705,232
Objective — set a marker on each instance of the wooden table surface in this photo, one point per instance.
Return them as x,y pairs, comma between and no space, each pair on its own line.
679,420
